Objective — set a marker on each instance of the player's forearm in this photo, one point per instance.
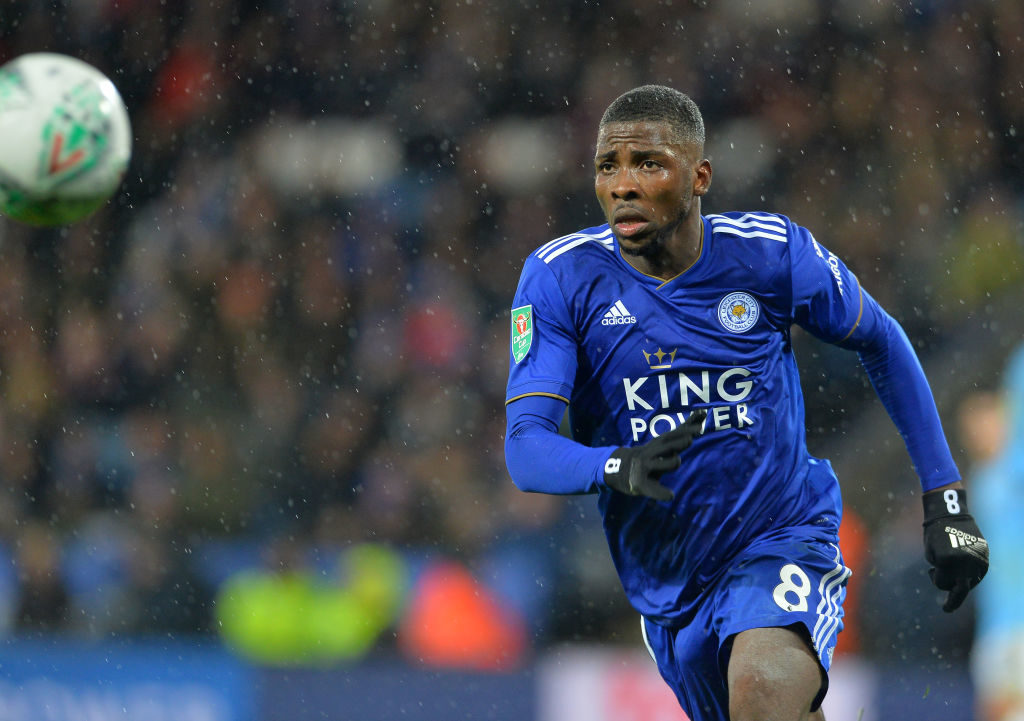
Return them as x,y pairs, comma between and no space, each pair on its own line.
542,461
897,376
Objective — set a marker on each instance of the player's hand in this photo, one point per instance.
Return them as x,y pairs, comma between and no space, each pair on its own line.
953,545
635,470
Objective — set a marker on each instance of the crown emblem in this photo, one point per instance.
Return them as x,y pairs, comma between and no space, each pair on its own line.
660,360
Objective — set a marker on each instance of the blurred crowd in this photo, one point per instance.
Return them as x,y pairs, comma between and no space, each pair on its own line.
288,334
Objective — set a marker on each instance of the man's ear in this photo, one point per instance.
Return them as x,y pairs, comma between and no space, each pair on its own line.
702,177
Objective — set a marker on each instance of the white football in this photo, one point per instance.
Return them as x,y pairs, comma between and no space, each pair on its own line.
65,139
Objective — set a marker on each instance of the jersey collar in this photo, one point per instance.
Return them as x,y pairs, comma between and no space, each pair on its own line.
705,240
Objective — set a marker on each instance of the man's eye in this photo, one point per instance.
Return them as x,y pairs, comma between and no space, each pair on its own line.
604,167
649,165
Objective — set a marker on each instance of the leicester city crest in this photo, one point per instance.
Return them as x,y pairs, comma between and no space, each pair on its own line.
522,331
738,312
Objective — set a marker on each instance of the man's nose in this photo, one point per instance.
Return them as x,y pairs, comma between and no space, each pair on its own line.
624,185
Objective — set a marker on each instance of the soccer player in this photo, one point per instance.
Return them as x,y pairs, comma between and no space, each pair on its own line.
997,659
667,335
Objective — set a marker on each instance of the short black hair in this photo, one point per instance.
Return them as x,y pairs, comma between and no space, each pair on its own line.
660,104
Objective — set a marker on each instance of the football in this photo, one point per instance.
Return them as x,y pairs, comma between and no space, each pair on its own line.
65,139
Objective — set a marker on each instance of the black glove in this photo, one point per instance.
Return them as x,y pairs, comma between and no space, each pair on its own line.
636,470
953,545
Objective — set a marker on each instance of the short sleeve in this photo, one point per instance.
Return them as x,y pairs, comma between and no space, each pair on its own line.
542,348
827,299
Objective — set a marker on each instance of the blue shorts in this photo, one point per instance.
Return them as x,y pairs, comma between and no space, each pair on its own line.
773,583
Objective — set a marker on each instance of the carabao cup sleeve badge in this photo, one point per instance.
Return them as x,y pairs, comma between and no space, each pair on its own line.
522,331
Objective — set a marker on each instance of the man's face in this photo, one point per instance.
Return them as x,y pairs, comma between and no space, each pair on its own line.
646,181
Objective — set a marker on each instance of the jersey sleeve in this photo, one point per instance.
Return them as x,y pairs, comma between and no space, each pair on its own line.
542,349
829,302
542,461
827,299
542,371
899,380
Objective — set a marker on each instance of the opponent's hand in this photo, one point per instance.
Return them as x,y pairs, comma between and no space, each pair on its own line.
953,545
635,470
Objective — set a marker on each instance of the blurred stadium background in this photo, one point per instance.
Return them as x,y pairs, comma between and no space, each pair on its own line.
251,414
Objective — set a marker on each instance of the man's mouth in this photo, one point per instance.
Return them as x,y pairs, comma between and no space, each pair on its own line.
630,228
628,223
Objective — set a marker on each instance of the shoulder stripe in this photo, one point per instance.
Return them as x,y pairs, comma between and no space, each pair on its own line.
747,217
550,251
552,244
746,225
606,244
750,228
752,234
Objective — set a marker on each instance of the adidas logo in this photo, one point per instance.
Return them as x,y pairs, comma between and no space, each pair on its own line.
967,541
618,315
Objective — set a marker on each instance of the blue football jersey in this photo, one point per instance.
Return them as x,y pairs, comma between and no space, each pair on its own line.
634,356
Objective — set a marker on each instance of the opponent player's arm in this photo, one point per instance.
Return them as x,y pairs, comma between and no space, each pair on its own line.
541,460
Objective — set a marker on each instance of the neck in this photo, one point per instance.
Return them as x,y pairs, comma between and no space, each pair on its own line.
676,252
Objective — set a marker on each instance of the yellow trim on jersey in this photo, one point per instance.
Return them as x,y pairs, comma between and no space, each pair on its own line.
700,252
546,395
663,282
860,312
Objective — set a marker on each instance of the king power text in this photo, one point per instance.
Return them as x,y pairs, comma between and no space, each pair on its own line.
722,395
